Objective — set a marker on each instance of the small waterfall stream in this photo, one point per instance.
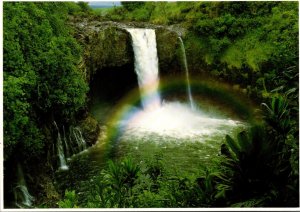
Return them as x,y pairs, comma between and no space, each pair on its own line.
189,91
21,194
69,145
60,151
146,66
79,139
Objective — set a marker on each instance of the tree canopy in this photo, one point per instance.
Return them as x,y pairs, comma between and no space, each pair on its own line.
41,78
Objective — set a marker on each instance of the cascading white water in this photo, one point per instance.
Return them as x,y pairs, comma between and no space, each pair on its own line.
146,66
189,92
79,139
171,119
60,151
77,144
21,193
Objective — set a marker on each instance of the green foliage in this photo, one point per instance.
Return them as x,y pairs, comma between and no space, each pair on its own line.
256,168
127,184
142,14
277,115
249,173
132,5
246,169
284,132
114,187
249,51
205,190
16,111
120,175
245,39
41,79
70,200
238,41
84,6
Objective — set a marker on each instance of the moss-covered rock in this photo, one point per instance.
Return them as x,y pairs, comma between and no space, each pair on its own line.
168,51
109,48
47,193
105,45
90,129
108,44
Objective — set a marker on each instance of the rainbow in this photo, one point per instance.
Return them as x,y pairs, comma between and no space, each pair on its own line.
127,108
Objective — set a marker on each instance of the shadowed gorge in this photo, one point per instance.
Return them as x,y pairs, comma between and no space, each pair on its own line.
109,85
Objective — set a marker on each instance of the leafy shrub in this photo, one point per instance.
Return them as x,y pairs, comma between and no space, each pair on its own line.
277,115
70,200
247,170
256,169
115,184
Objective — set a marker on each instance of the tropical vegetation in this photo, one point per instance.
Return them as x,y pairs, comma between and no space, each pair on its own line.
252,44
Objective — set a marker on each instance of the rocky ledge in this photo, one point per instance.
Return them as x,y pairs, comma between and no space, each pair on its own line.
108,45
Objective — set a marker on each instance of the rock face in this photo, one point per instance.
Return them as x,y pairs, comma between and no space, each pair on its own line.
108,45
108,48
105,45
168,50
90,129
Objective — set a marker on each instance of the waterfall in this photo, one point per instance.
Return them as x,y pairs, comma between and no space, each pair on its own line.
189,92
171,119
146,66
21,194
60,151
70,144
66,143
79,139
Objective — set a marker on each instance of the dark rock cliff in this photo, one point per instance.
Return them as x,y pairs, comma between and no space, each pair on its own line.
108,45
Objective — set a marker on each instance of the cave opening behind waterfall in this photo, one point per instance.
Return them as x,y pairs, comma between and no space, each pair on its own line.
109,86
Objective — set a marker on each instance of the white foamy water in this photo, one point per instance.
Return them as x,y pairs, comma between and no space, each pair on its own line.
170,120
176,120
146,66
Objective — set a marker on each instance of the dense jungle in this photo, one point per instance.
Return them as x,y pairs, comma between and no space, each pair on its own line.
151,104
